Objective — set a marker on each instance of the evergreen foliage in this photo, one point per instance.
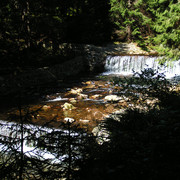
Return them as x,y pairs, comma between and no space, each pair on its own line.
150,22
166,26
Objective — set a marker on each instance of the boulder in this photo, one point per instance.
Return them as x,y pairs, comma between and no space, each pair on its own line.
101,133
112,98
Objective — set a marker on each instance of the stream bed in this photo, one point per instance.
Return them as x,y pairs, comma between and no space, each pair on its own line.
86,104
46,132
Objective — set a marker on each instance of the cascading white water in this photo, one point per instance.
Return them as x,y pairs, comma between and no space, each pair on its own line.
31,133
125,65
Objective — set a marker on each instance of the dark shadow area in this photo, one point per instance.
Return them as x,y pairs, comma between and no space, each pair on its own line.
40,34
33,32
37,37
142,143
116,49
39,152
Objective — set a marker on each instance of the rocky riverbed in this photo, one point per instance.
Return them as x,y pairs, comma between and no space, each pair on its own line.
85,104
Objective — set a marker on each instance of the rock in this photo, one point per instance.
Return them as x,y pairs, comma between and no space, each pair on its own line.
82,96
72,100
121,112
96,96
84,120
102,135
117,115
46,107
98,115
152,101
123,103
75,91
70,120
88,82
90,86
68,106
113,98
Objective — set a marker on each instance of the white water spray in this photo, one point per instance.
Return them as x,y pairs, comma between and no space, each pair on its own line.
126,65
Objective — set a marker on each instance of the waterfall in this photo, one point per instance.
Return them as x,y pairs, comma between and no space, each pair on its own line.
125,65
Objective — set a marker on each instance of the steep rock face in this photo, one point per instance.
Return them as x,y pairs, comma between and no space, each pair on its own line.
69,68
95,57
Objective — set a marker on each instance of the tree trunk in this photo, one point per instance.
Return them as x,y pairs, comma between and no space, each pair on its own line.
26,24
128,28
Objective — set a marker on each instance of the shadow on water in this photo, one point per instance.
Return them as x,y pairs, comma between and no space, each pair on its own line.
37,152
34,94
142,141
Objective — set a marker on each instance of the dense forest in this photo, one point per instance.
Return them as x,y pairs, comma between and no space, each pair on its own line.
31,30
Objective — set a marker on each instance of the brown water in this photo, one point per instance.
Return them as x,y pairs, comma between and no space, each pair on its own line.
84,103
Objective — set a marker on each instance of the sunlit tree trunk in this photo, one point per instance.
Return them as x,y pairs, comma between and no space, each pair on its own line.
26,24
129,31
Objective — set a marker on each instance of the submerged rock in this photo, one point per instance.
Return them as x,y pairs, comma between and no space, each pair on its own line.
82,96
110,108
73,100
68,106
46,107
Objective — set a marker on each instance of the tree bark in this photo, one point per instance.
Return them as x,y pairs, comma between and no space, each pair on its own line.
129,38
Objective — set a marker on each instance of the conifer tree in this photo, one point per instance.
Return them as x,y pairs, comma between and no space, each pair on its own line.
154,22
130,17
166,27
